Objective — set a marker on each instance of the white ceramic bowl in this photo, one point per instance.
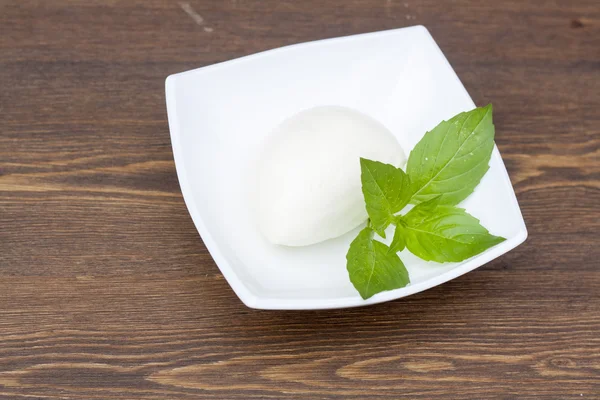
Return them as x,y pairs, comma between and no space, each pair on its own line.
220,114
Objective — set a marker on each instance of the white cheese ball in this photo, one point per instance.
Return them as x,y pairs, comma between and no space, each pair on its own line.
308,176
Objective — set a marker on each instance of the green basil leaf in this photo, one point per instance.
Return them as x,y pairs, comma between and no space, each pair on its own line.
451,159
386,190
398,242
444,233
372,267
420,212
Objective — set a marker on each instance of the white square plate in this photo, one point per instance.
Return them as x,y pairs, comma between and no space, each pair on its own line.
220,114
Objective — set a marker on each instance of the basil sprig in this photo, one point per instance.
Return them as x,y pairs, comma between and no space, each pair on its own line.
443,169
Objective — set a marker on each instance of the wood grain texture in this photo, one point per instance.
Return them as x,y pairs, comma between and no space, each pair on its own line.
107,291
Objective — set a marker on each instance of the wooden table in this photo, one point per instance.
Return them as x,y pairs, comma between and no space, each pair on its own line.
107,291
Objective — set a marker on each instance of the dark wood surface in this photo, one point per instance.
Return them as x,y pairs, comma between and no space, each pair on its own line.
107,291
